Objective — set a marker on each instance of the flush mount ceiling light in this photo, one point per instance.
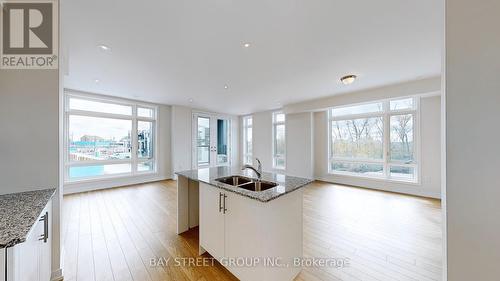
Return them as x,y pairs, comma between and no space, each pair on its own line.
97,81
246,44
104,47
190,100
226,87
348,79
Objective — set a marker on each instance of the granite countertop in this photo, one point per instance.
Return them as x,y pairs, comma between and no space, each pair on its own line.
286,184
19,212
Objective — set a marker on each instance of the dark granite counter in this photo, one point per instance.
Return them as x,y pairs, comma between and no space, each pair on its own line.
19,212
286,184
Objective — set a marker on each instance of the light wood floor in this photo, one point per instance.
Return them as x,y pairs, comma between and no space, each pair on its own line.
113,234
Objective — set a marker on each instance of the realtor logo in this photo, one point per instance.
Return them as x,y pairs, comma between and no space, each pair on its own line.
29,35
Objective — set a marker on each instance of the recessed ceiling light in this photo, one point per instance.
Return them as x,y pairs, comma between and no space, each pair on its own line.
246,44
226,87
97,81
190,100
349,79
104,47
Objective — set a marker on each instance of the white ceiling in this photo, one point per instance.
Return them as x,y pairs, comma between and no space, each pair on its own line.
172,51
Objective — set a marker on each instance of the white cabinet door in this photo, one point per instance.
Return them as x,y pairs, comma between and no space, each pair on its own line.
27,256
31,260
264,230
2,264
211,220
244,233
45,248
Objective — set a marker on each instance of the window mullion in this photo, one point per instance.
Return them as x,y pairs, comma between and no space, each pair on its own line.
78,112
387,139
245,139
97,162
330,140
275,124
66,140
417,138
134,139
356,116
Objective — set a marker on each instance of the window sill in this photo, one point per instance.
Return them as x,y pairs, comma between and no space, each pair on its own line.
415,182
113,177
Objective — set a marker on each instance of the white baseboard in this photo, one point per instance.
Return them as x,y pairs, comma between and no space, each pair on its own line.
71,188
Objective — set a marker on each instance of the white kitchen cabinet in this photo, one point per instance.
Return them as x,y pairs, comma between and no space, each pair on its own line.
246,229
2,264
212,220
45,247
31,260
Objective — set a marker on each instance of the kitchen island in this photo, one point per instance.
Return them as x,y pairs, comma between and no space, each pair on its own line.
252,227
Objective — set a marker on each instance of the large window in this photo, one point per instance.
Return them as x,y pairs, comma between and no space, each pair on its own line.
279,144
105,137
247,140
376,139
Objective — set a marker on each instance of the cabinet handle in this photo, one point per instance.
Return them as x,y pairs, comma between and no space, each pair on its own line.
220,205
224,209
45,236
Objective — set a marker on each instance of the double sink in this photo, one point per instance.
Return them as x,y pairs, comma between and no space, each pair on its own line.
247,183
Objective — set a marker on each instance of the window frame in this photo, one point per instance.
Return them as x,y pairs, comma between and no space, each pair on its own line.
386,161
245,127
276,156
209,146
134,161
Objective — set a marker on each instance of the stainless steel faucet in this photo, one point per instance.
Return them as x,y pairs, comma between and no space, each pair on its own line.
257,171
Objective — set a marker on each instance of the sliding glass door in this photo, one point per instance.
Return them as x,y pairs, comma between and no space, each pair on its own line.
211,141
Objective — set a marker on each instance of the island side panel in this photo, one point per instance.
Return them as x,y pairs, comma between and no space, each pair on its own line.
194,203
182,204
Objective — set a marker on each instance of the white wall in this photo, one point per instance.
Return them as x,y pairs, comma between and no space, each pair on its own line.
411,88
430,131
430,185
472,132
30,139
164,168
164,142
29,122
262,133
299,144
235,141
181,138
